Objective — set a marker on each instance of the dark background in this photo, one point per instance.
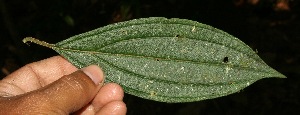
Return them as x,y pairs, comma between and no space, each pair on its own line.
271,27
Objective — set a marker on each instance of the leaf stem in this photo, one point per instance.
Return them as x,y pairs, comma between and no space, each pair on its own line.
36,41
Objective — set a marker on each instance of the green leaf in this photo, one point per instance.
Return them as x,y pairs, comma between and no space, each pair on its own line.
167,60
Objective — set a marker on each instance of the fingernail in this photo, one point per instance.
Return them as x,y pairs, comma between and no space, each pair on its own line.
95,73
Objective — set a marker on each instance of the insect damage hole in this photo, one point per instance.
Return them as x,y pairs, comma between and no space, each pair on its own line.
226,59
157,59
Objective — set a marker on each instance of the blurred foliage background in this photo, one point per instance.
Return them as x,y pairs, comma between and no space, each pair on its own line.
271,27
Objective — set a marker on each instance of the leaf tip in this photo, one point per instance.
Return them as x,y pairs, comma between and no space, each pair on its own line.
281,76
278,75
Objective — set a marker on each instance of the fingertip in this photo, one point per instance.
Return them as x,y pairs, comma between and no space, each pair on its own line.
113,108
108,93
116,90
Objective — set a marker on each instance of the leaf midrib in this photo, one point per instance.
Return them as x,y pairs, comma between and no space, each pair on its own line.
161,59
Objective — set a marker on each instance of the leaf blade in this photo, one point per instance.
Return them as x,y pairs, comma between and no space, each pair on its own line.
152,56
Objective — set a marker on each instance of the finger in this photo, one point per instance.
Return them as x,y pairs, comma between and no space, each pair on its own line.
35,75
108,93
113,108
66,95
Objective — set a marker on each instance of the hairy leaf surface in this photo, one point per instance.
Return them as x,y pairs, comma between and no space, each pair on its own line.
167,60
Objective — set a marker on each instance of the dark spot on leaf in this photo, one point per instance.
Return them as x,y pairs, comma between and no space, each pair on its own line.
123,31
226,59
157,59
177,35
152,93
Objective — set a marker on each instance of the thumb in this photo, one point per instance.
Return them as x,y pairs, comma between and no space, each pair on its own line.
66,95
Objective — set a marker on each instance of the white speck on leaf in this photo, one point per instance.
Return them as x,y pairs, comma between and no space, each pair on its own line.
194,29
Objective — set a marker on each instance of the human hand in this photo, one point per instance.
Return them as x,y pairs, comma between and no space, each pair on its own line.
54,86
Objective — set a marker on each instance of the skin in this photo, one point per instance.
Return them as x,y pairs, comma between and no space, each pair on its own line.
55,86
